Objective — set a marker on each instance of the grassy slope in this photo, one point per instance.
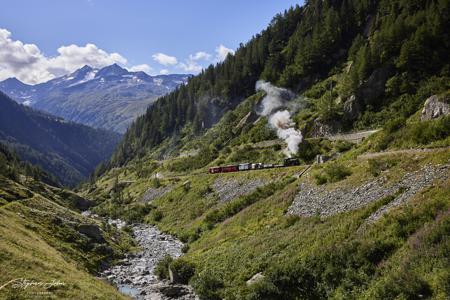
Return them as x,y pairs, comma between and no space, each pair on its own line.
261,238
379,262
36,246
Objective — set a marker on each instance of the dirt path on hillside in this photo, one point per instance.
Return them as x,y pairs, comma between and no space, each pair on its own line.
403,151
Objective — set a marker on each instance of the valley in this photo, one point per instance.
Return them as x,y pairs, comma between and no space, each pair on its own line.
313,162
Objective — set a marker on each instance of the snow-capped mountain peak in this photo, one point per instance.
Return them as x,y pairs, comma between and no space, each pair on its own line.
95,97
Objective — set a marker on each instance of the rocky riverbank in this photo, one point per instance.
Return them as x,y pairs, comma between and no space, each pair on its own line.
134,275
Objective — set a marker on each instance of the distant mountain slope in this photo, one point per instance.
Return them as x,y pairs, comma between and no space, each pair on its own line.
67,150
109,98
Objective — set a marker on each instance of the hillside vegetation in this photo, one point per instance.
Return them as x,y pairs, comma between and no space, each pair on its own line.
370,223
43,239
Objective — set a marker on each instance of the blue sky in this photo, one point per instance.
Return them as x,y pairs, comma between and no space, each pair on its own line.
48,38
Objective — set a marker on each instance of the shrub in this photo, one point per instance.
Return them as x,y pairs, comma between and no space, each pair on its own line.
395,124
263,289
342,146
376,166
336,172
426,132
184,270
207,285
332,172
320,178
185,248
156,183
290,220
162,267
157,215
205,156
308,150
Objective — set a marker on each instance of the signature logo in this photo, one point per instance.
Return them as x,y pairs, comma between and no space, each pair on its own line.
23,283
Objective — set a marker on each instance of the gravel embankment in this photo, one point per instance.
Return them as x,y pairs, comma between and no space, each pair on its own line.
228,189
312,200
153,193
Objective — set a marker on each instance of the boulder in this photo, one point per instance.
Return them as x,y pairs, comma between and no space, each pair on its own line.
173,276
92,231
173,291
435,107
257,277
321,129
351,108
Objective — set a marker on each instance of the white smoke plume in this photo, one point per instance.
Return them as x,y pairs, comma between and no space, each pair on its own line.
274,106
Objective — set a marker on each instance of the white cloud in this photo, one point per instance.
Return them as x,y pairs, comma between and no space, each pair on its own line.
164,59
30,65
222,52
164,72
190,66
201,55
144,68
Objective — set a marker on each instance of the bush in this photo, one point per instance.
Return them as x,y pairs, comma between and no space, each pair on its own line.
263,289
332,172
207,285
336,172
162,267
136,213
157,215
320,178
395,124
342,146
156,183
205,156
308,150
376,166
423,133
184,270
185,248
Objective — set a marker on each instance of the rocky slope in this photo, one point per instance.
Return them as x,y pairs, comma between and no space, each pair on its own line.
312,200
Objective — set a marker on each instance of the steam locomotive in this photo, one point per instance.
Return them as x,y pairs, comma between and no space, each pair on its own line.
288,162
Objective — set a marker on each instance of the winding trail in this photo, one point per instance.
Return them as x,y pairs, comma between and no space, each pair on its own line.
134,275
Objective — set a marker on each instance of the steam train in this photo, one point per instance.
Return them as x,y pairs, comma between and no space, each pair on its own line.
288,162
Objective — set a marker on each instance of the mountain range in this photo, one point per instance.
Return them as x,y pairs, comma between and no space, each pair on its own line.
67,150
108,98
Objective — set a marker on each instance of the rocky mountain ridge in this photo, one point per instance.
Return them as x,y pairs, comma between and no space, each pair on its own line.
109,98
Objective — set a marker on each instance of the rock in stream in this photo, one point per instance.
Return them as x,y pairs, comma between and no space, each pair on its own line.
134,275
